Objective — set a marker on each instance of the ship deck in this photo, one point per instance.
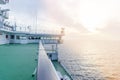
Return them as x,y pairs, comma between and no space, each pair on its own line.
59,68
17,62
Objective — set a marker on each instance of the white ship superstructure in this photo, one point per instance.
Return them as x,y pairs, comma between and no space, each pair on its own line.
9,34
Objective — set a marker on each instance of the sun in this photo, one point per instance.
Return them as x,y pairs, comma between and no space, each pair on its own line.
91,22
92,16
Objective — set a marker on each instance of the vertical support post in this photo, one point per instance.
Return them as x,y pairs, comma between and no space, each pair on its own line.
52,48
56,50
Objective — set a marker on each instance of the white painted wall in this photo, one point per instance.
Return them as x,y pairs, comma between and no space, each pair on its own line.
33,41
3,39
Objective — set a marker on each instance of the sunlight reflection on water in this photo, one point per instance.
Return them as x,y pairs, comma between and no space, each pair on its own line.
91,60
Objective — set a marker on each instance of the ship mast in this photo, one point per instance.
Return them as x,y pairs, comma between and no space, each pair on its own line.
36,19
36,23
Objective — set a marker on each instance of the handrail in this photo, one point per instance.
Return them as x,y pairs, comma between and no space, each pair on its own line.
45,69
4,1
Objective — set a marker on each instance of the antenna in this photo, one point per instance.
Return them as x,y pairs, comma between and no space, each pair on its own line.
36,17
15,25
36,24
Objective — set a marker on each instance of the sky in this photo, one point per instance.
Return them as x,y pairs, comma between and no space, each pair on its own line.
23,12
97,19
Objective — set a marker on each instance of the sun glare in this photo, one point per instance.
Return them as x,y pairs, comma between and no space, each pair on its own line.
92,16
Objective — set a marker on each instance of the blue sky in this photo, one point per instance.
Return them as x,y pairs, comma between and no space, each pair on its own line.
97,17
24,6
23,11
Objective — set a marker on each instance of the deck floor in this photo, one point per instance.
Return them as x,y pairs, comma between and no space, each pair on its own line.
59,68
17,62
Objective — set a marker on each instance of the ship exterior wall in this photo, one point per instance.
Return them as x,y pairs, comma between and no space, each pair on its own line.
3,38
22,38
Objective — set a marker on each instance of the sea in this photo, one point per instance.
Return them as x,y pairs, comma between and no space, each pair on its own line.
91,59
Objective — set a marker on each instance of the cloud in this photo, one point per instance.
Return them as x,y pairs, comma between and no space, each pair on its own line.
54,14
112,29
23,11
24,6
68,13
62,12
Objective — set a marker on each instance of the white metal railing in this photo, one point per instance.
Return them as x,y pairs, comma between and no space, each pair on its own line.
5,15
8,27
45,69
4,1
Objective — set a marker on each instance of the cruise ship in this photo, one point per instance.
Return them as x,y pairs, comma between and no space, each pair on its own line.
25,55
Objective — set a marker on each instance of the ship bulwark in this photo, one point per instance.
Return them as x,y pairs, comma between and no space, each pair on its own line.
45,69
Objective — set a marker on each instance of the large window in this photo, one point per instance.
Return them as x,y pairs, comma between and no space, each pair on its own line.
17,37
29,38
32,38
6,36
12,36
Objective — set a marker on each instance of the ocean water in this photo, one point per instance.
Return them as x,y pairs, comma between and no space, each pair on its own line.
91,60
